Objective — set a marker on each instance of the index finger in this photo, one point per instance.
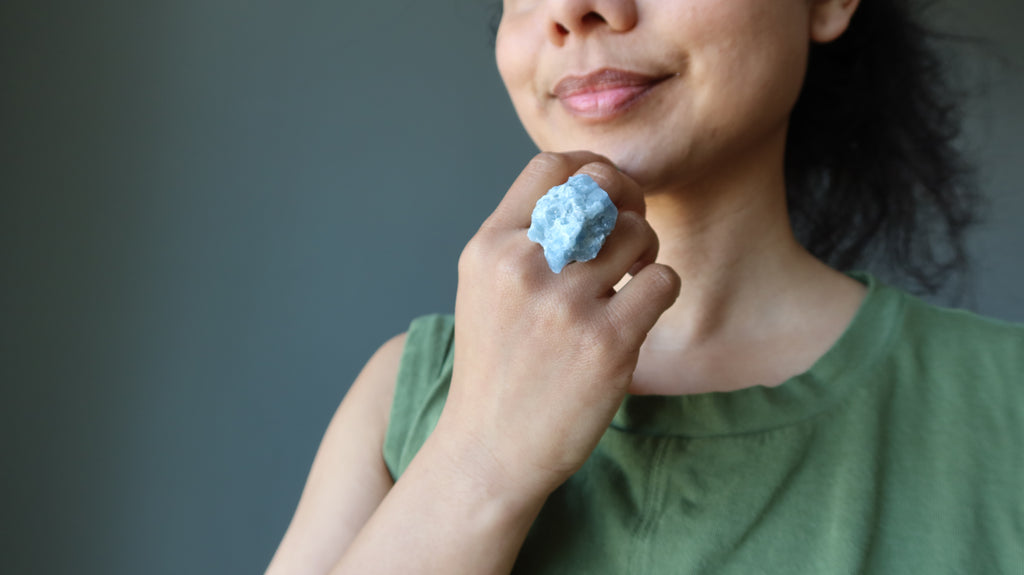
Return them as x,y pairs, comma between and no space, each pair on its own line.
549,169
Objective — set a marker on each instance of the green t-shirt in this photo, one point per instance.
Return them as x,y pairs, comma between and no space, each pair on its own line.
900,451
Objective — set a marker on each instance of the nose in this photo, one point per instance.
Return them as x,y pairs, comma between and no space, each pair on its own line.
582,17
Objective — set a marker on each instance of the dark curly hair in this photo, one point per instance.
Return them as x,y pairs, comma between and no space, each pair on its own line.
874,175
873,171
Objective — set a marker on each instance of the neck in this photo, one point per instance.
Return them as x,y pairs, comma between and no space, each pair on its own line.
745,278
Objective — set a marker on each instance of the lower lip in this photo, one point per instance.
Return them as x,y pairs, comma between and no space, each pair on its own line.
604,105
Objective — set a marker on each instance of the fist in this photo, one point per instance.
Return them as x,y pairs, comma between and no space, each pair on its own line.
543,360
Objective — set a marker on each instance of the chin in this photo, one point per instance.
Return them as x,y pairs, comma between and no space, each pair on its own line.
652,165
649,170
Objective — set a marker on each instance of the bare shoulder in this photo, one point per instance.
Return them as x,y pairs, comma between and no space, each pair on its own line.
348,478
373,390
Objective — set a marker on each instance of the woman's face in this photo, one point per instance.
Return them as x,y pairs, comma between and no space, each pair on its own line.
669,90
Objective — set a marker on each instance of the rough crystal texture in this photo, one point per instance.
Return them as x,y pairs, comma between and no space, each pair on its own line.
572,221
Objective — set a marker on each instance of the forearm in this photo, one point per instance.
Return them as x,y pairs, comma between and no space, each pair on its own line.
443,517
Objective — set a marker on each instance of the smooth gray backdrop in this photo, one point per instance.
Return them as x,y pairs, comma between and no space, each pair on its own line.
214,211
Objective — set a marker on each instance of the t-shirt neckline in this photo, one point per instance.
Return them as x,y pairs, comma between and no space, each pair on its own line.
754,409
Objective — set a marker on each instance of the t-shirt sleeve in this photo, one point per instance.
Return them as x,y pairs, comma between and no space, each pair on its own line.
421,388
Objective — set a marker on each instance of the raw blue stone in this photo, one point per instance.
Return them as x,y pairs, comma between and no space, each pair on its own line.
571,221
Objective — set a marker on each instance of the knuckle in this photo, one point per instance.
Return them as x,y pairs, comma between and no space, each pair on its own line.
603,173
650,237
626,331
548,162
471,255
631,220
606,341
645,231
635,226
663,281
512,269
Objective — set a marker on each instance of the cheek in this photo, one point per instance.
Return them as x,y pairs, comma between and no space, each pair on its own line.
753,58
503,52
516,55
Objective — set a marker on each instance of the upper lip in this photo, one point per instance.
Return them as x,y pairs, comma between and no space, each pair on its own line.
603,79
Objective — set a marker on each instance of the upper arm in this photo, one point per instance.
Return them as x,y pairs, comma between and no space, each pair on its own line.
348,478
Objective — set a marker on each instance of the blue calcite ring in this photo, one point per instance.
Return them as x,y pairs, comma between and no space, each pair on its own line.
572,221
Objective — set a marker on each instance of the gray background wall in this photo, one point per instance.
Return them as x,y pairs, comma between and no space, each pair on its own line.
213,211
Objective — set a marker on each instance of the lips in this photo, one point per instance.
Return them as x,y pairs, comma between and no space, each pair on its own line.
604,94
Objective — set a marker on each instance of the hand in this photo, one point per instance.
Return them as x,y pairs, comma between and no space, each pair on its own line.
543,360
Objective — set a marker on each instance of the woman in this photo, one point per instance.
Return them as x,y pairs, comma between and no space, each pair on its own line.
707,395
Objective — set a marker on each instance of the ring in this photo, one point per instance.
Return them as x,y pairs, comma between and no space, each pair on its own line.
572,221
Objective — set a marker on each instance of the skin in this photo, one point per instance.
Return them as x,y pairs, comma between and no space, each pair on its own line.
706,148
739,67
700,287
696,169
